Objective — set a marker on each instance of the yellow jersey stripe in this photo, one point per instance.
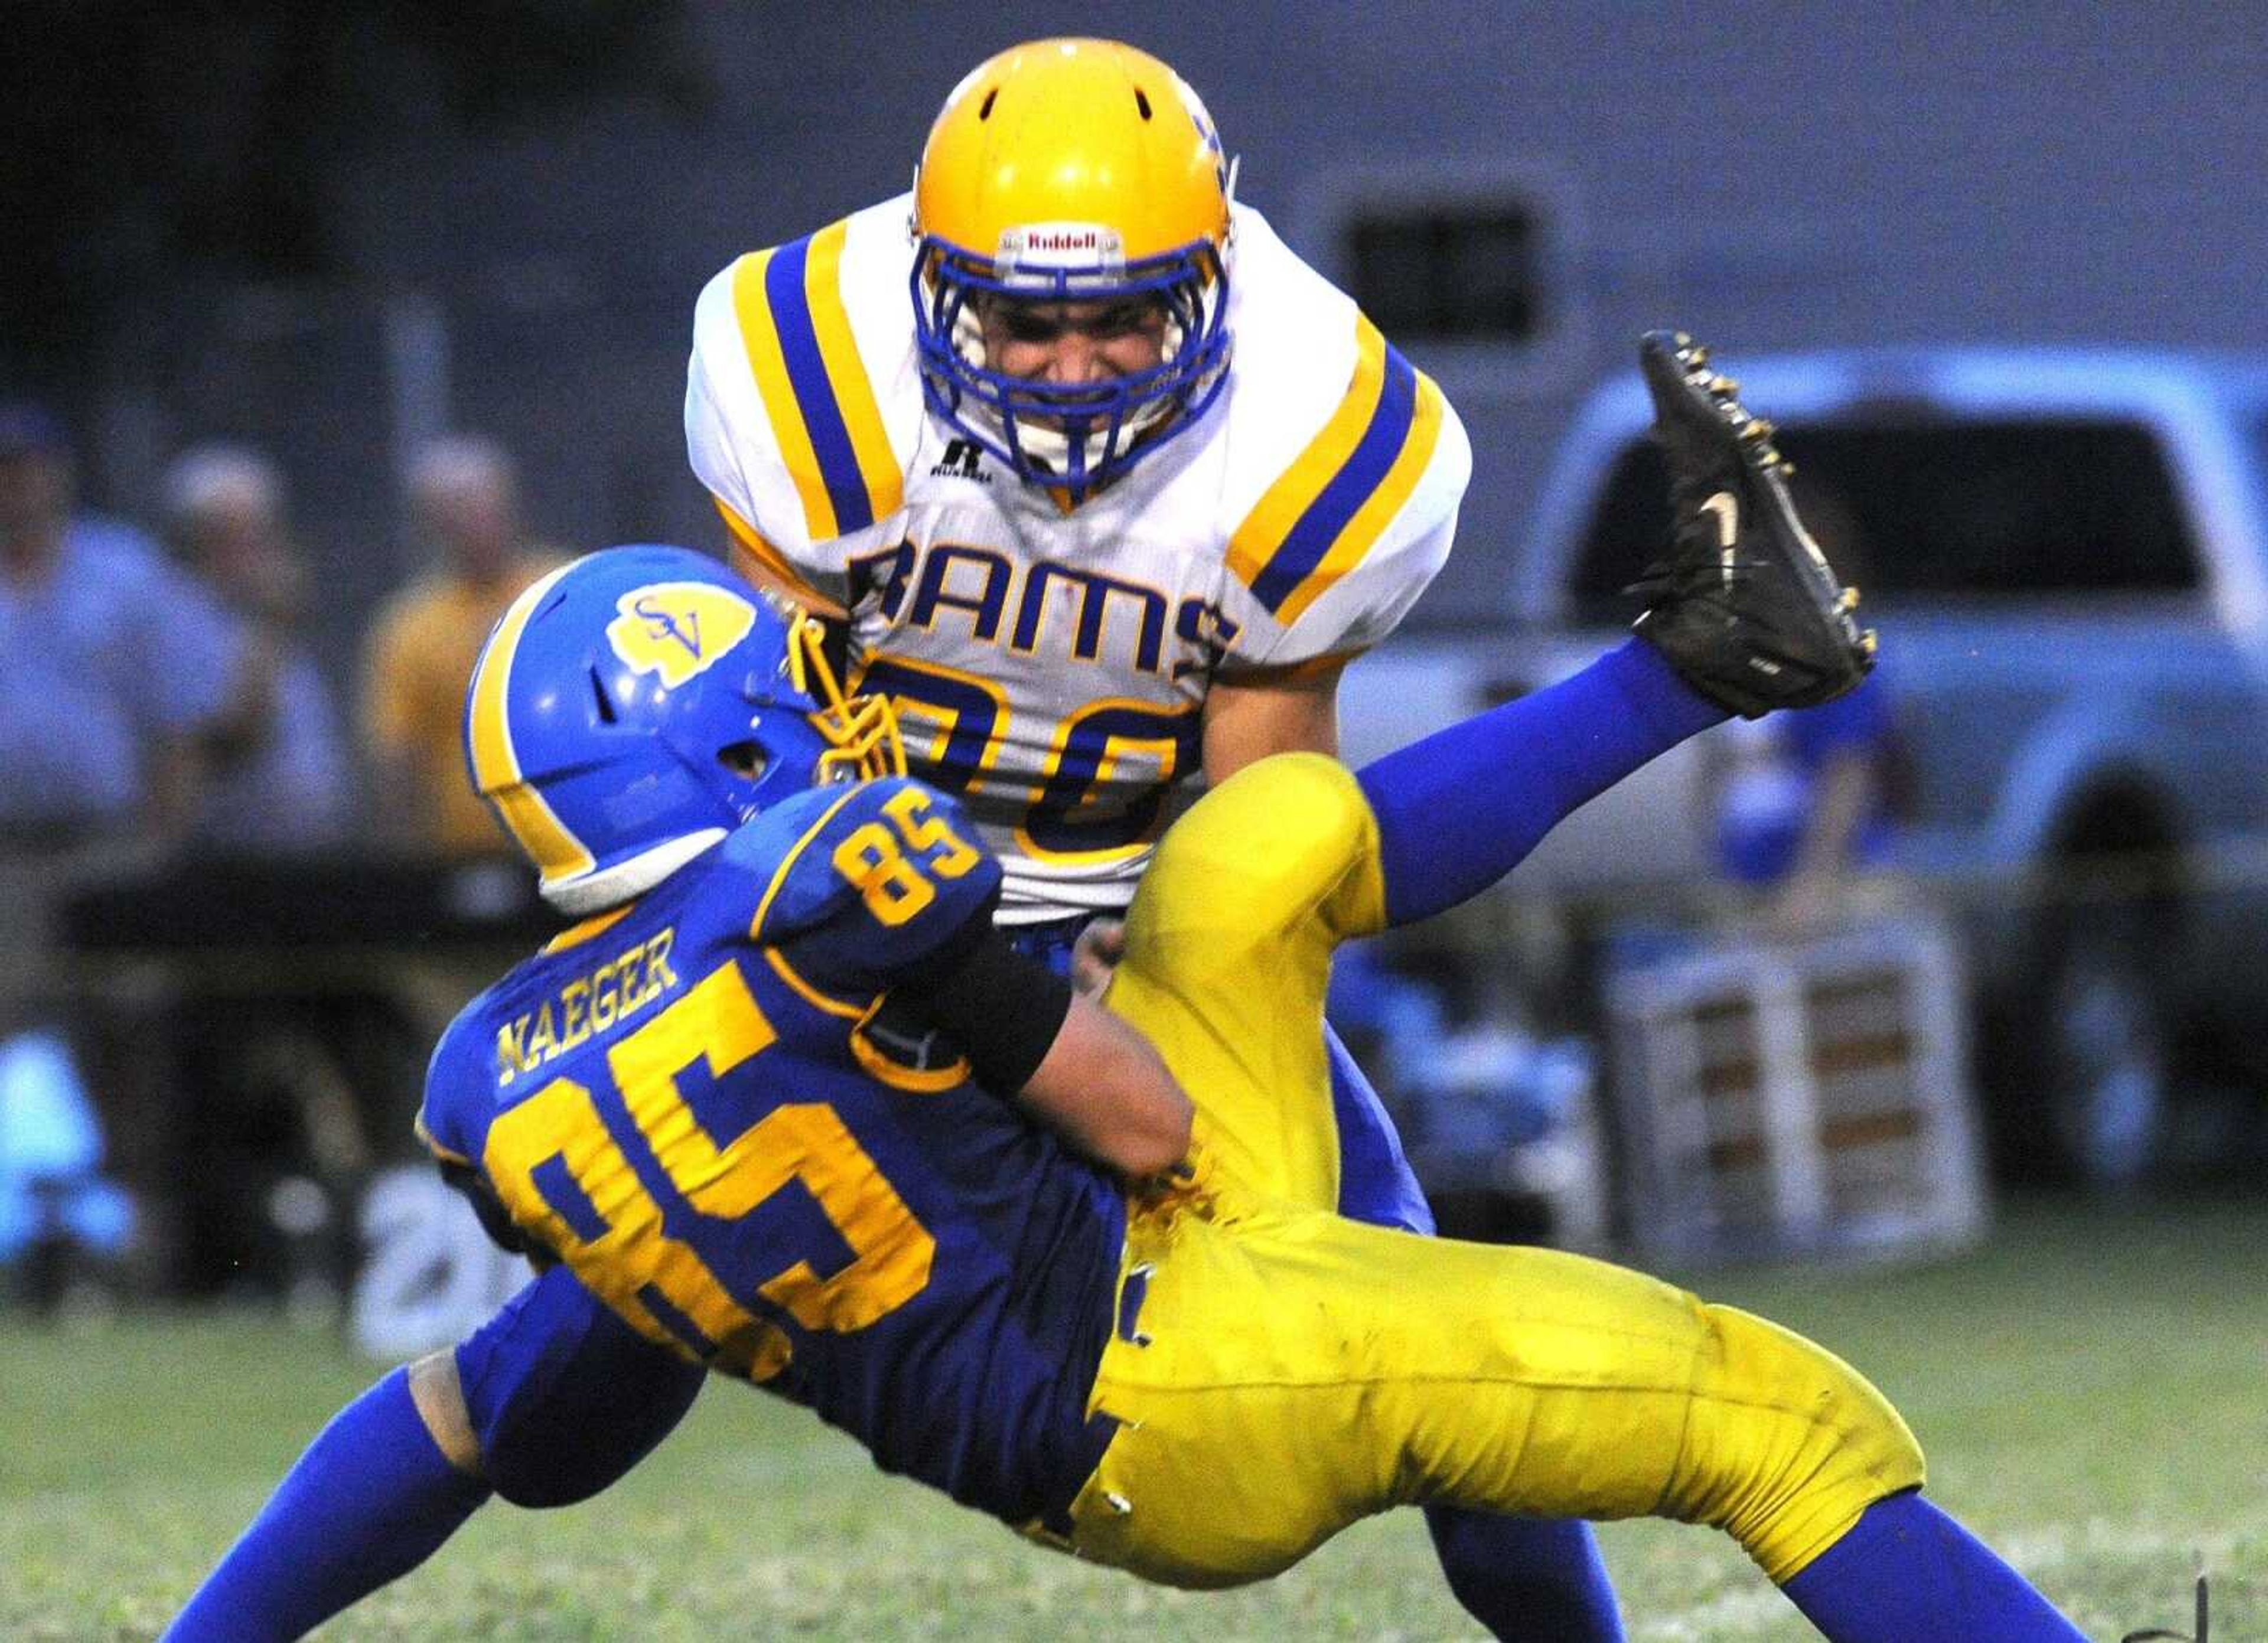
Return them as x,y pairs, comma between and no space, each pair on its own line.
788,861
810,994
598,924
880,472
1333,504
417,1124
760,336
1377,511
815,388
1265,529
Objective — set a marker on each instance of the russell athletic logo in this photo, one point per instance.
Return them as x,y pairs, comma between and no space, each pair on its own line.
962,460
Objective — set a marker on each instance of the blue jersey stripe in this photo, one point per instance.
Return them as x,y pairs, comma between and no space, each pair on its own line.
1311,537
814,394
565,1195
667,1313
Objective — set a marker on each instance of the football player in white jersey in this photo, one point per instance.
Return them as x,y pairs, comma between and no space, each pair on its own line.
1104,487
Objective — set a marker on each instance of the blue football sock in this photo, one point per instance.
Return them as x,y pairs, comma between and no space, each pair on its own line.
1527,1577
1908,1574
371,1499
1460,808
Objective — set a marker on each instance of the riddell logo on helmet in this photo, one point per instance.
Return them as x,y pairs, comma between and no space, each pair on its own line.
1078,245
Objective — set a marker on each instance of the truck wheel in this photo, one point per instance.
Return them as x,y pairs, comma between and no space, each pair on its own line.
2104,1046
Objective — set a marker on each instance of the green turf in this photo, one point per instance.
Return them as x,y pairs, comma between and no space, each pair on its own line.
2090,1389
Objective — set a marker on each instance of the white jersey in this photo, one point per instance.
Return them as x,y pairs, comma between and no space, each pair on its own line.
1049,663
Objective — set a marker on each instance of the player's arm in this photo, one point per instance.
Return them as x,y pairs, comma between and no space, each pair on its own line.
1104,1088
1284,710
761,563
882,895
1075,1067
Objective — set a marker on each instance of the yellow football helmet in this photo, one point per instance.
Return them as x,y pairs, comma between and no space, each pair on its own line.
1071,171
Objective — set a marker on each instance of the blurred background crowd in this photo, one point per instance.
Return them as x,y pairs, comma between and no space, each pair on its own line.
323,329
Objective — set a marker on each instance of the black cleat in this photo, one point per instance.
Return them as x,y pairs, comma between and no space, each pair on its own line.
1746,607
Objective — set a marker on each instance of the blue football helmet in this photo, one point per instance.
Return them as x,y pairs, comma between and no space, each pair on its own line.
631,708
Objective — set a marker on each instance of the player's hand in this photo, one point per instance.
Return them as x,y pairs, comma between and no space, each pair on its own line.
1096,953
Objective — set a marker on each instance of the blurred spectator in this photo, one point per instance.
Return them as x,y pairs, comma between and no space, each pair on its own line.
1806,802
61,1221
116,664
281,783
1496,1114
463,500
116,668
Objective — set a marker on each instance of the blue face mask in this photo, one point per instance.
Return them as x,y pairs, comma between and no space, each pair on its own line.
1074,437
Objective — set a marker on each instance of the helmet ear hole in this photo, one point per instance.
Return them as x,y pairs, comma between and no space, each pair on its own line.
747,760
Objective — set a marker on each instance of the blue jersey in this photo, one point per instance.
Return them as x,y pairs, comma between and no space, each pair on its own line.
682,1101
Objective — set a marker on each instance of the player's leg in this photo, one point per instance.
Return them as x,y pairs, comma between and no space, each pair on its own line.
1227,955
546,1404
1521,1577
1227,958
1293,1371
372,1497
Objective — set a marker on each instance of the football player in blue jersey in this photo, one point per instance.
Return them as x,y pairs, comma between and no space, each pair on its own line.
787,1107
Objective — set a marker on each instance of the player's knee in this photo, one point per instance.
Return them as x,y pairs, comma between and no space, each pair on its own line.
438,1394
538,1454
557,1429
1289,835
1787,1444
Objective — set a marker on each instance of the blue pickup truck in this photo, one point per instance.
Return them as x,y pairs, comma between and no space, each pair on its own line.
2066,552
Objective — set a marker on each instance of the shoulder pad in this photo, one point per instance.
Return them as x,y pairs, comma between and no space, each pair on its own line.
800,399
876,880
1350,464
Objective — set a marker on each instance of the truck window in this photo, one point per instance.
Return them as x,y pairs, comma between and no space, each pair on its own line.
1933,508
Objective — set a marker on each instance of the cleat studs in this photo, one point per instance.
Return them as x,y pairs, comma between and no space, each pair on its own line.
1848,600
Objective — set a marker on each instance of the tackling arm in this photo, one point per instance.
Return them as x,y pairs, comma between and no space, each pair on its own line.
1076,1068
1103,1087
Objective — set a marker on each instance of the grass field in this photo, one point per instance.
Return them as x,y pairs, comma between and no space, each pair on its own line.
2092,1389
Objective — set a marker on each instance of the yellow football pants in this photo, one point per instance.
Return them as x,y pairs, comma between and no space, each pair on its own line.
1281,1372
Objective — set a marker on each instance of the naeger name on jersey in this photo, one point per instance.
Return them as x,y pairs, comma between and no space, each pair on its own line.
1050,662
